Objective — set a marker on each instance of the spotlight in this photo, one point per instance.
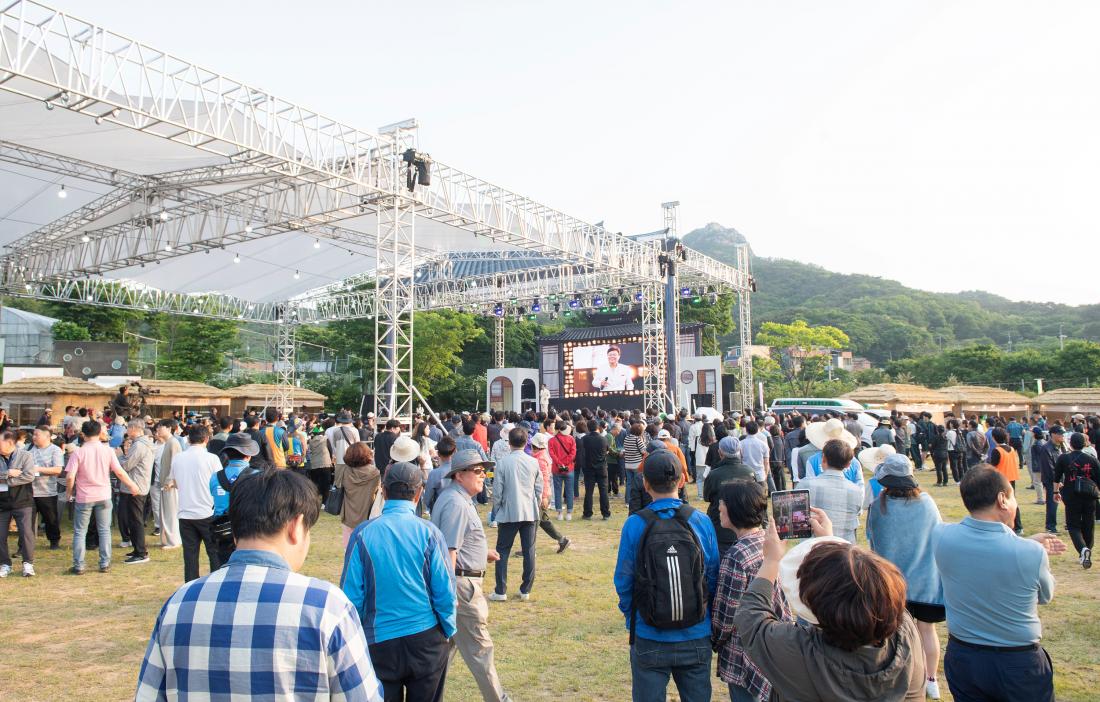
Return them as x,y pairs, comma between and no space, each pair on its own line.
99,120
575,303
236,258
685,292
597,301
638,297
418,167
61,193
49,105
696,300
248,229
167,247
553,298
557,307
499,310
567,313
297,275
536,306
85,238
115,112
164,215
316,243
532,317
521,311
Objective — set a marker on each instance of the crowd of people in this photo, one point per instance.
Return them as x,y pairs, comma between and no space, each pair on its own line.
827,619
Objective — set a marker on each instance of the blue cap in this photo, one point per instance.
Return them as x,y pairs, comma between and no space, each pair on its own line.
730,446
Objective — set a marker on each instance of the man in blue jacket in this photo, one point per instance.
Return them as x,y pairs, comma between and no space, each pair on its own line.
398,575
657,654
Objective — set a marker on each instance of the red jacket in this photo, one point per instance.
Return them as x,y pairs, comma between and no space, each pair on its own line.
481,435
563,451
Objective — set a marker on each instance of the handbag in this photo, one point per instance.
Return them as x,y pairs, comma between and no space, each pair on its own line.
334,503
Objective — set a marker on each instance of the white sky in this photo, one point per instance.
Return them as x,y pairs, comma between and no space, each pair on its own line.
949,145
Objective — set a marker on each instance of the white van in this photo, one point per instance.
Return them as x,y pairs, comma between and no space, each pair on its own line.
808,406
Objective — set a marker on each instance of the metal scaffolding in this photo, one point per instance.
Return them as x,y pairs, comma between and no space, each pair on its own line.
498,342
261,169
744,331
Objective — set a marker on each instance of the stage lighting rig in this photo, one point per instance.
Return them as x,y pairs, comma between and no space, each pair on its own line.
536,306
418,168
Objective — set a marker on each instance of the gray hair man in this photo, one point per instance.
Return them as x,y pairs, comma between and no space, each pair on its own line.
517,493
455,516
138,464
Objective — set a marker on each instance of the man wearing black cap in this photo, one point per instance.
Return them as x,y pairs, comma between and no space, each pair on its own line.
237,451
1044,456
658,653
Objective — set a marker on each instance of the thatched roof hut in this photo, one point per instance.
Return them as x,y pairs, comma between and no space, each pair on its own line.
901,397
26,399
257,395
981,399
1067,401
169,395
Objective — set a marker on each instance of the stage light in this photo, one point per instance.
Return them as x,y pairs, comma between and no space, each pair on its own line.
553,298
567,313
61,193
49,105
685,292
557,307
316,243
575,303
536,306
167,247
499,310
614,308
99,120
696,300
621,292
85,238
712,298
236,258
603,310
248,229
297,275
164,215
532,317
639,297
597,301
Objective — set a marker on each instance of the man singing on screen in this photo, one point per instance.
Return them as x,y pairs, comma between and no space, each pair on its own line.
613,377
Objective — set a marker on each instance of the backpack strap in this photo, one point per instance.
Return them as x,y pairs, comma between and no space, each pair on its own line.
223,480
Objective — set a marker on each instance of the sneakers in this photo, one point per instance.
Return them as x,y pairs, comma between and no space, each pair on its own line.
156,532
28,570
568,516
77,570
125,544
524,596
560,515
105,568
1086,558
136,558
55,546
492,525
494,597
606,517
932,689
564,544
5,571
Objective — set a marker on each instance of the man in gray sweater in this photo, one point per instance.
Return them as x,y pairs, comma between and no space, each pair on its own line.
138,464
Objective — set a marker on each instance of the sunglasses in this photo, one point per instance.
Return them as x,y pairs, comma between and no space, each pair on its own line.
476,471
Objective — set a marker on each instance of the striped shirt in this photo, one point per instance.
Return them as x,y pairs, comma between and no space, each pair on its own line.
256,630
633,449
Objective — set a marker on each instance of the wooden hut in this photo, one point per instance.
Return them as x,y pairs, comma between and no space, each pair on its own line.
970,400
26,399
183,395
902,397
257,395
1064,402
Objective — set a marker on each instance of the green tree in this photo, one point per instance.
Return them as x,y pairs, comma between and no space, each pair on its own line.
438,340
718,318
194,348
69,331
1077,363
797,343
102,323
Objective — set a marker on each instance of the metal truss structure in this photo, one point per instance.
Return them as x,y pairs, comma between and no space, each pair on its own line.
653,349
498,342
744,331
259,170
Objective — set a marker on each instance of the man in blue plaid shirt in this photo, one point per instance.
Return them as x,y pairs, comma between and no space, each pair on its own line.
256,628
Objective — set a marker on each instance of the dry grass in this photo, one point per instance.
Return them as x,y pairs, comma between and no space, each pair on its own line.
84,636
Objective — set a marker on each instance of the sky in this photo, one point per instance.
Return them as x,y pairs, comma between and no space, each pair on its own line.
950,145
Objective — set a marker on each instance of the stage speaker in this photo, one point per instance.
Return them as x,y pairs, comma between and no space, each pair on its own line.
702,399
84,359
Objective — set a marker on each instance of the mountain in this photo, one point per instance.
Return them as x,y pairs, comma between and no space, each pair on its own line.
887,320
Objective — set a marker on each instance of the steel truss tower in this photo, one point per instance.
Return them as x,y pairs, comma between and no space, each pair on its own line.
653,349
393,325
744,330
498,342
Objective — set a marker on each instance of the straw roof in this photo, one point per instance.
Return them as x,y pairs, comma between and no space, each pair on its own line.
181,388
255,390
58,385
1065,396
983,395
903,393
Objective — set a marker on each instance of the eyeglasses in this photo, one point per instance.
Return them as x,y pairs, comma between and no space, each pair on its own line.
476,471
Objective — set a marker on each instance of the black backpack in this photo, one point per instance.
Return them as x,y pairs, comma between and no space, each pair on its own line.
670,587
221,528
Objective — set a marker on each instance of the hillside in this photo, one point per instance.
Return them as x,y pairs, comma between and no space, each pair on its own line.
887,320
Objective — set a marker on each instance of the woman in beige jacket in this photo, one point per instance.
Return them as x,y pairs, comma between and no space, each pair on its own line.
169,498
360,480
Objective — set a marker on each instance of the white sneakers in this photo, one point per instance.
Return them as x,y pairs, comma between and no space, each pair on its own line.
5,571
932,689
524,596
561,516
494,597
1086,558
28,570
568,516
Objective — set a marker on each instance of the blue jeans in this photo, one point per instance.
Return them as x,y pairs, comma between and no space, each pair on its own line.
563,481
687,662
81,520
740,694
631,482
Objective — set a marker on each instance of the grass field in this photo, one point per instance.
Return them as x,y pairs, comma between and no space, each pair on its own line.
83,637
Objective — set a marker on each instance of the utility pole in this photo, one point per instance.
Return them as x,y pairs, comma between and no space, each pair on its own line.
1061,339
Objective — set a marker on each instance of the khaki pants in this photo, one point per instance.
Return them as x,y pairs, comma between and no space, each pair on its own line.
472,638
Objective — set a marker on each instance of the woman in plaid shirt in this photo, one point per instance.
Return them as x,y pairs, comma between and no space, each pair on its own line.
741,507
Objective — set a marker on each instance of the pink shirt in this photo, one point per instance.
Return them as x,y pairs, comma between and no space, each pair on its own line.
91,464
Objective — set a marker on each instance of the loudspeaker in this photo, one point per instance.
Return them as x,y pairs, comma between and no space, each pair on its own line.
84,359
